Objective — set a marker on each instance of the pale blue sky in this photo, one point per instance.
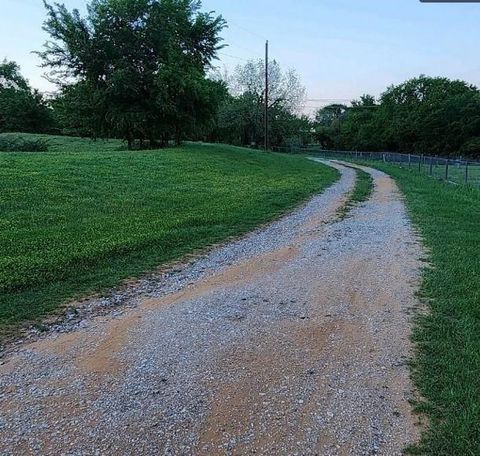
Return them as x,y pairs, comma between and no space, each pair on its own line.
341,48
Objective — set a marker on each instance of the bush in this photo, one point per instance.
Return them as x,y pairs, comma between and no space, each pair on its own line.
471,148
15,144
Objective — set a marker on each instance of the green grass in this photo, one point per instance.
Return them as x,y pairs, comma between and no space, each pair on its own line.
85,215
361,192
447,366
456,173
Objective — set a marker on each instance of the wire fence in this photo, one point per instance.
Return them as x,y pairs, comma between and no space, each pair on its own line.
453,170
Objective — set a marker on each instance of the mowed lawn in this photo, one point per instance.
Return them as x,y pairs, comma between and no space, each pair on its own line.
447,366
85,215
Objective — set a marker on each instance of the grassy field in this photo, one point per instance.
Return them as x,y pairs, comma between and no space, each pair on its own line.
456,173
86,215
447,367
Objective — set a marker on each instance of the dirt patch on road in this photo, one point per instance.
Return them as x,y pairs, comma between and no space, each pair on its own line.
247,271
258,396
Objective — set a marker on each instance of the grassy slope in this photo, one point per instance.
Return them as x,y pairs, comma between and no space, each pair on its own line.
87,215
447,367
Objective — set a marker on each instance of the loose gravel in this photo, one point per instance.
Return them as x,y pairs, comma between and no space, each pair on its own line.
291,341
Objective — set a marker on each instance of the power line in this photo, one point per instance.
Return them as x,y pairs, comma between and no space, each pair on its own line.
229,22
328,99
256,55
315,106
233,56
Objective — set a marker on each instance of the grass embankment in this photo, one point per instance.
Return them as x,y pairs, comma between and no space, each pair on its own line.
85,215
447,367
361,192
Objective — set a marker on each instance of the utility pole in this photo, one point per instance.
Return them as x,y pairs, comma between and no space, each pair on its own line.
266,95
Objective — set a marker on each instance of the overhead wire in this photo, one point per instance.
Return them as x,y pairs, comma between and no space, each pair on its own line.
233,56
319,102
229,22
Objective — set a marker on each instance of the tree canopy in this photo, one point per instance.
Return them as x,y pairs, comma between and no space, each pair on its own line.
141,70
134,69
423,115
21,107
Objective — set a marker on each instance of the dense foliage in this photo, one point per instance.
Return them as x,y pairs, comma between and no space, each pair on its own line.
134,69
423,115
141,71
21,107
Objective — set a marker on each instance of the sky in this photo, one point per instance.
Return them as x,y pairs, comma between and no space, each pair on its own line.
340,48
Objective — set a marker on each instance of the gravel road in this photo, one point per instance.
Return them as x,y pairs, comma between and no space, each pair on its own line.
291,341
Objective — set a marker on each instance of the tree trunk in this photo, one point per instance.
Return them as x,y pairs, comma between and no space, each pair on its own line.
178,135
164,140
130,140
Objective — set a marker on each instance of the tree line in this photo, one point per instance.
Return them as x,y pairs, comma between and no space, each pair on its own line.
144,71
433,116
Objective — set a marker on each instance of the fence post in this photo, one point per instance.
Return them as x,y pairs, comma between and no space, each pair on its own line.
409,160
446,169
466,172
420,163
431,165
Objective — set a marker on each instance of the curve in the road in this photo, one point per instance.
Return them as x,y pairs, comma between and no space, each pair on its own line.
292,340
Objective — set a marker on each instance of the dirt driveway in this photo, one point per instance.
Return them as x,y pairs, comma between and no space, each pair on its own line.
291,341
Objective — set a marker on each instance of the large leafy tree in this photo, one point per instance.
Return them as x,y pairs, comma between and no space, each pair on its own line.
430,115
21,107
330,115
134,69
358,129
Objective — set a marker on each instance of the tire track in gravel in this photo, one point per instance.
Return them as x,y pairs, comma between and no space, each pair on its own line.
292,340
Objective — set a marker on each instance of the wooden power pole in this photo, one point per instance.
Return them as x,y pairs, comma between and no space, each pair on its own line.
266,95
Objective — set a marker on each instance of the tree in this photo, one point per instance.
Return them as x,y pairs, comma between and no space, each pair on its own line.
358,129
136,68
366,101
241,120
429,115
285,88
330,115
206,119
21,108
241,117
327,125
423,115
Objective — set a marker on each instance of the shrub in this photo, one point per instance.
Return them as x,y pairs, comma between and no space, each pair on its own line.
16,144
471,148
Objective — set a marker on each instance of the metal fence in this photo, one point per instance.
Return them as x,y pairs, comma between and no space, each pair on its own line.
454,170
